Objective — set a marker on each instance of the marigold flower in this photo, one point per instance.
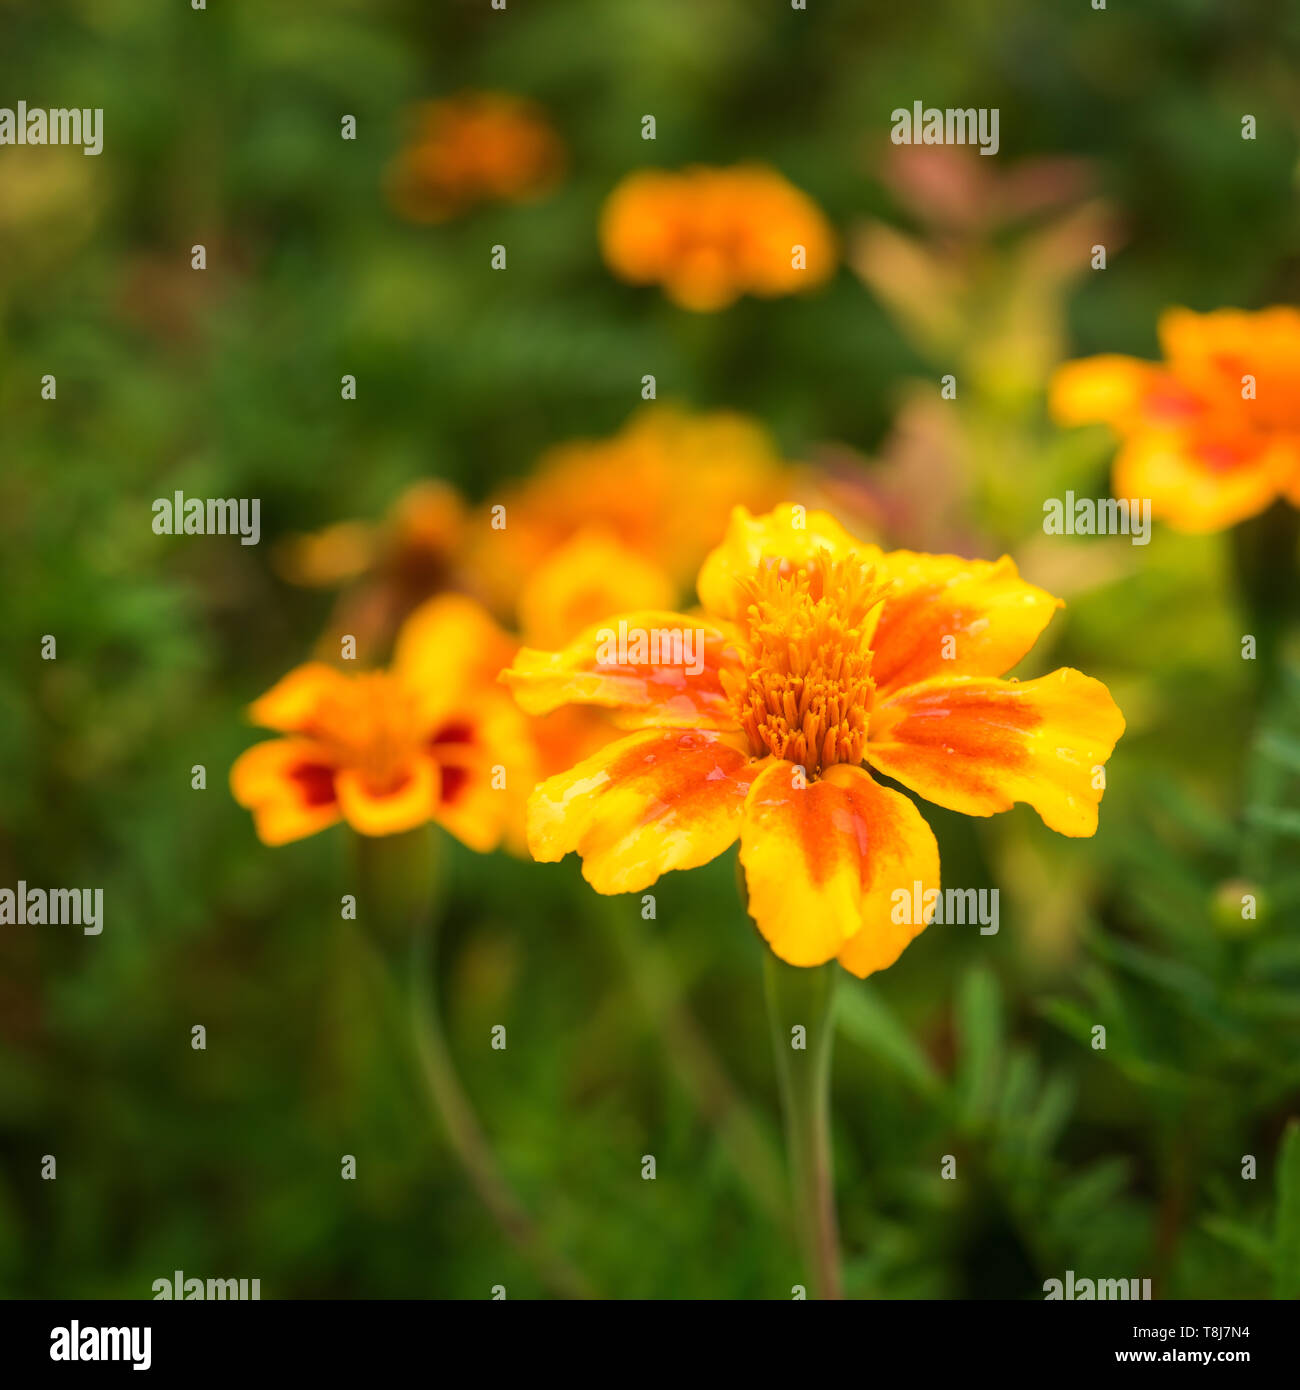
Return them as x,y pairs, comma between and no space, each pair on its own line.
1211,434
471,148
623,491
710,235
817,653
388,750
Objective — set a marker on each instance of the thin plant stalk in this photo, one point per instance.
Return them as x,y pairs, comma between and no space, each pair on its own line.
1264,565
803,998
400,879
754,1156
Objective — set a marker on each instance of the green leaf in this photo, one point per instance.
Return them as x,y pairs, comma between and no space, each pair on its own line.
1279,822
979,1026
1256,1247
865,1020
1286,1237
1280,749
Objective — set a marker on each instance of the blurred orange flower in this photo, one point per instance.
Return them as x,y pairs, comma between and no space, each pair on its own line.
432,738
1211,434
471,148
393,566
602,525
817,653
710,235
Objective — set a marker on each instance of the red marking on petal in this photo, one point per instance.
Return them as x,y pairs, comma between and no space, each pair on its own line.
315,781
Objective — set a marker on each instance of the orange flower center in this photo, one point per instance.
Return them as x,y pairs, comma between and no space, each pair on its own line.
805,690
371,725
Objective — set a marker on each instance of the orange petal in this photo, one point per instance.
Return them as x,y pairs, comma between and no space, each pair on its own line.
386,811
1108,388
824,860
656,800
788,535
1199,485
489,764
288,786
589,576
1224,343
657,669
291,705
993,616
449,647
978,746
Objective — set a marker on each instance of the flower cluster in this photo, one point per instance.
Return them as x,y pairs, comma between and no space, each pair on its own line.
473,148
709,235
1211,434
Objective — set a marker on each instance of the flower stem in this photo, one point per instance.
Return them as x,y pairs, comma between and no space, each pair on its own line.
466,1134
400,877
1268,583
748,1144
800,997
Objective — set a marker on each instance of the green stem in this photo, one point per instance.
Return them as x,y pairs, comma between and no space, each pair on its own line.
1268,583
804,998
400,876
750,1148
467,1137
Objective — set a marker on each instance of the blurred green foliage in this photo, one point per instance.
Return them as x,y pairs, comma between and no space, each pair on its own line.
222,127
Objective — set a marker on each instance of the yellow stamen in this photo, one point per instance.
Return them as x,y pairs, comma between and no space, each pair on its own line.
805,691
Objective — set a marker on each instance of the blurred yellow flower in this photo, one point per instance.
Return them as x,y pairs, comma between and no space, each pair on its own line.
816,653
431,738
1212,433
710,235
659,491
472,148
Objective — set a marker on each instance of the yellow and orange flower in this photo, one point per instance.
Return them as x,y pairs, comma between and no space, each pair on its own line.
710,235
432,738
1212,433
599,525
472,148
815,654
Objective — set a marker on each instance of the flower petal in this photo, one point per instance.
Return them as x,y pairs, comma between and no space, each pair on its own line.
978,745
823,860
387,811
993,616
788,535
1114,390
587,577
489,764
656,800
288,786
291,705
680,688
447,648
1199,485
